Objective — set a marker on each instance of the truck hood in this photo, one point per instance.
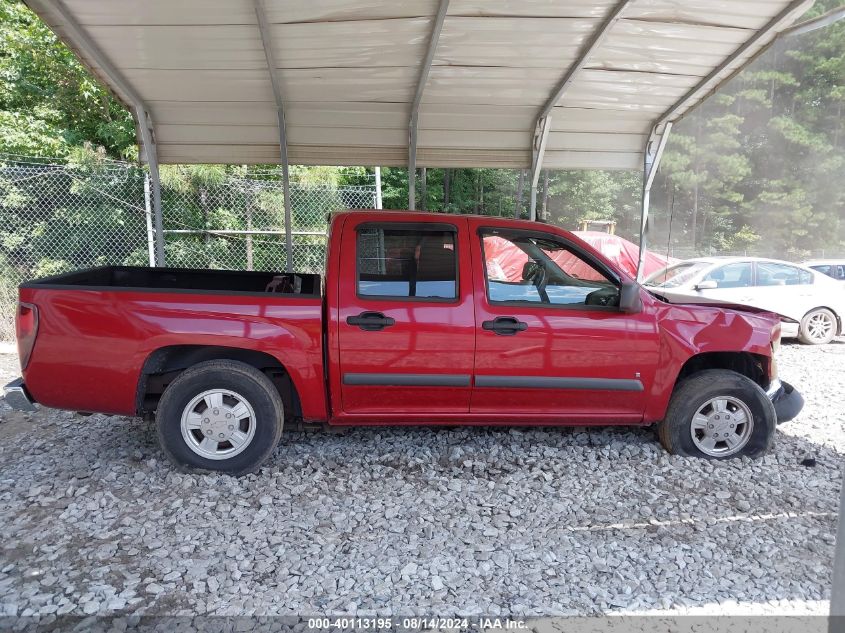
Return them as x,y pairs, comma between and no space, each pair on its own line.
679,297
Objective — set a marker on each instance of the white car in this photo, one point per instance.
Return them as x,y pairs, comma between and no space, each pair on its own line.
811,303
833,268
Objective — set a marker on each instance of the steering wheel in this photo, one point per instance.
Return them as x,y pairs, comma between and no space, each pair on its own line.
540,279
603,297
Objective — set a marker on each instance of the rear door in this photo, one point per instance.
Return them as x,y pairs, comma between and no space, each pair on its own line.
550,342
406,325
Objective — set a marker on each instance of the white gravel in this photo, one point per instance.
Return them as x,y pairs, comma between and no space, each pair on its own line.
443,521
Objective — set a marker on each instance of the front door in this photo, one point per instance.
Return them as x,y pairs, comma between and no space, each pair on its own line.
550,342
406,322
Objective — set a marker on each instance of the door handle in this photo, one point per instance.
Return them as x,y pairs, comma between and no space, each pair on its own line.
371,321
505,326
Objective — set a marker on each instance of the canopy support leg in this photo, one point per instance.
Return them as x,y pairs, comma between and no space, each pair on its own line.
272,67
145,126
538,151
425,67
283,151
151,252
653,153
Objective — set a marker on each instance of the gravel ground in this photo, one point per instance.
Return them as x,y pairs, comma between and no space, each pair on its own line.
444,521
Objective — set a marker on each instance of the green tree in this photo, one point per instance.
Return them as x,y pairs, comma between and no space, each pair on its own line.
49,102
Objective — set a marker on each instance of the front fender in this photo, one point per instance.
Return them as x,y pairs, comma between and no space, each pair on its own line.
687,331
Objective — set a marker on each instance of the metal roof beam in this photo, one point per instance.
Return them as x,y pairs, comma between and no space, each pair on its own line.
543,122
785,16
590,47
826,19
82,40
418,95
272,68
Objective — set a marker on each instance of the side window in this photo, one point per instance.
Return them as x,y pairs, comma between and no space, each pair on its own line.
737,275
771,274
401,262
539,269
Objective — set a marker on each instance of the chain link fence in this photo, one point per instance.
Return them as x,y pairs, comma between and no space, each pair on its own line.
57,216
237,222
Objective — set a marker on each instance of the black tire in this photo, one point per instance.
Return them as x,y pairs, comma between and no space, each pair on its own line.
255,388
804,333
675,431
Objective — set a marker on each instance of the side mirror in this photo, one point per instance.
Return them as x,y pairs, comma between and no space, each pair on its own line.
708,284
630,300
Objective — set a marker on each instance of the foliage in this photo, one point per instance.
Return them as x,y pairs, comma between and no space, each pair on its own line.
49,102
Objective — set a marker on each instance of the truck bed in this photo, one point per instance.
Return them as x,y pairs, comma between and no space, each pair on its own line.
100,330
186,279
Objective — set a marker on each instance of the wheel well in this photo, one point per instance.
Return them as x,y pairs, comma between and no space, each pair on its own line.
166,363
754,366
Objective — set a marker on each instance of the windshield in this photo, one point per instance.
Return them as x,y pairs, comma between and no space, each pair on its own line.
676,275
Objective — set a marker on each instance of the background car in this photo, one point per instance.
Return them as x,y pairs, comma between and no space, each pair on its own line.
811,303
834,268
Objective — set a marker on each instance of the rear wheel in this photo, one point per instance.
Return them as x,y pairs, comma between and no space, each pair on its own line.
818,327
220,415
718,414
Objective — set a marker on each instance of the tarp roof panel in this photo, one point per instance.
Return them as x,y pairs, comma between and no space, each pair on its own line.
348,71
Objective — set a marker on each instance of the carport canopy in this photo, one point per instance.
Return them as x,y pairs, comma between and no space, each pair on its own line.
539,84
348,72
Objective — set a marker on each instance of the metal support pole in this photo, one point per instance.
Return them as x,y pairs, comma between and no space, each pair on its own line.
145,125
538,150
424,189
653,153
378,188
149,215
425,67
836,624
283,148
266,42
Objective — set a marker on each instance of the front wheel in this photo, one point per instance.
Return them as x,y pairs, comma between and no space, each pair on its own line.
718,414
818,327
220,415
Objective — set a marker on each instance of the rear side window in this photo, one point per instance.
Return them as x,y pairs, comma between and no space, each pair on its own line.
414,263
771,274
836,271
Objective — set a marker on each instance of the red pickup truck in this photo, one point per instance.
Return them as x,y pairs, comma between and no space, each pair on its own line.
422,318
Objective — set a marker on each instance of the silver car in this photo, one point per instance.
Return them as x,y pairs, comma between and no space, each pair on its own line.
811,304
